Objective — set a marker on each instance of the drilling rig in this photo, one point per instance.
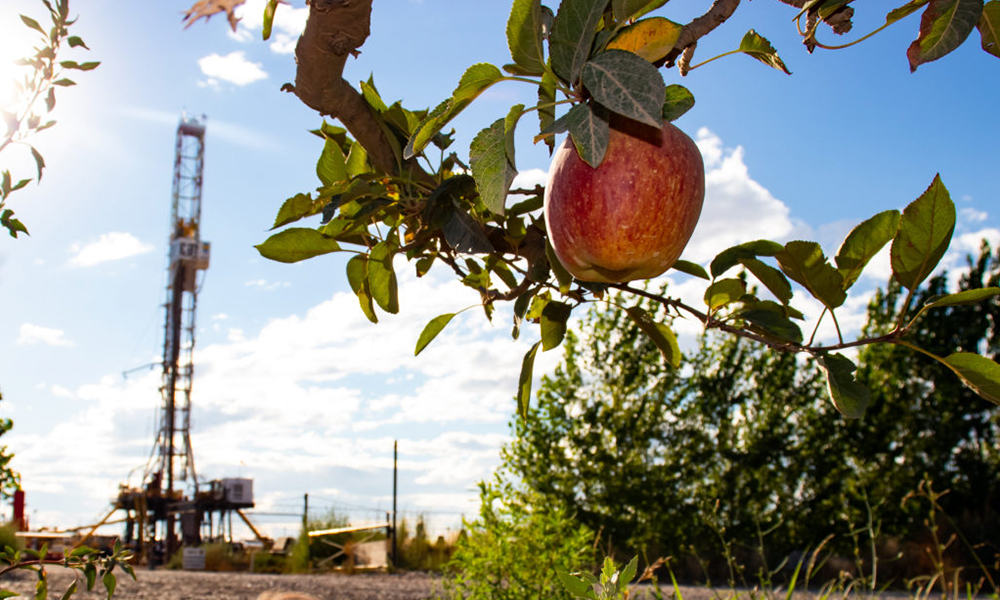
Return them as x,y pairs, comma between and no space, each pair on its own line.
154,510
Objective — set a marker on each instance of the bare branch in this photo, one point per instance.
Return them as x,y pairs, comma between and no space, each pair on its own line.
718,14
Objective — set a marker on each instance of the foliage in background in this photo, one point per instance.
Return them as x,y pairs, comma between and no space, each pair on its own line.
513,550
738,464
10,480
418,552
9,539
322,548
28,115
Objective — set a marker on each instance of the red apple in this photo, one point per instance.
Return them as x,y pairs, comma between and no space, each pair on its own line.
631,217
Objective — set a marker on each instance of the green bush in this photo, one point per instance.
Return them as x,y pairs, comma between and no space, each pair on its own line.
512,551
266,562
418,552
9,539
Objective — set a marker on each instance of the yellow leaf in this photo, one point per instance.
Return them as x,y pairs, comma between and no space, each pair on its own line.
651,38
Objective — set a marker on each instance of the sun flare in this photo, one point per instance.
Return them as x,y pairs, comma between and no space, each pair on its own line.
16,42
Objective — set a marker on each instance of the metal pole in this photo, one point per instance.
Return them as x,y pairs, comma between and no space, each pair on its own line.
395,456
305,512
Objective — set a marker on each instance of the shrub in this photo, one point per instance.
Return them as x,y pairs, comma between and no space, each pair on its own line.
9,539
512,551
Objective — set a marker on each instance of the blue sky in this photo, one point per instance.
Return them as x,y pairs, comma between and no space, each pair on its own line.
293,387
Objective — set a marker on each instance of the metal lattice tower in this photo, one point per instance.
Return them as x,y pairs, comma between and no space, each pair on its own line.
174,458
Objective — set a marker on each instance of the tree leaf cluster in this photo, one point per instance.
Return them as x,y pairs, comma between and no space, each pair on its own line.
42,73
594,61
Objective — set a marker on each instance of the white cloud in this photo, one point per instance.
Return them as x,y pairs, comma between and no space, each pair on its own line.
266,285
737,208
233,68
115,245
972,215
289,22
36,334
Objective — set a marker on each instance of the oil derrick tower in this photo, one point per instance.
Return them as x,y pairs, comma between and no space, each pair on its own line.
159,516
174,458
152,511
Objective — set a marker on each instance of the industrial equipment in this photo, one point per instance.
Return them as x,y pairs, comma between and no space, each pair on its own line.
159,516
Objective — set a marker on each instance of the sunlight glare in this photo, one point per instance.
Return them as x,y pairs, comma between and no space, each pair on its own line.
16,42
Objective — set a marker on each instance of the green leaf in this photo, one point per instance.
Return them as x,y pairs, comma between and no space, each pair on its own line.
431,330
42,587
628,573
357,276
474,81
979,373
624,10
75,41
572,36
863,243
81,551
678,101
575,585
925,230
553,323
465,234
660,333
652,38
110,581
382,277
989,27
90,572
332,165
39,162
357,160
509,127
64,82
904,11
72,64
944,25
372,96
491,168
626,84
524,382
269,9
296,244
520,308
590,131
546,110
967,297
805,263
772,278
723,292
12,225
756,46
694,269
33,24
524,36
295,208
773,324
730,257
69,591
563,276
849,396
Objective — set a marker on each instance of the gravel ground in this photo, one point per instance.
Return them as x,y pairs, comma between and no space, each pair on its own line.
187,585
